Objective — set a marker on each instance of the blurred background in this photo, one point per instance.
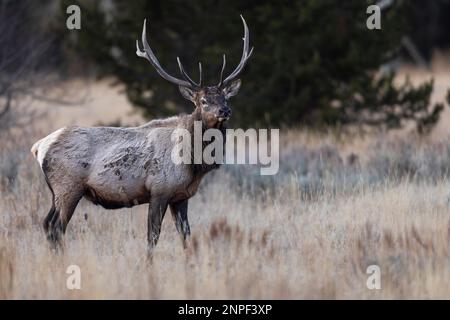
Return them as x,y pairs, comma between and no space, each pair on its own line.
315,64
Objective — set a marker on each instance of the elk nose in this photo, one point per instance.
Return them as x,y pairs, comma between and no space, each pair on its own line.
224,113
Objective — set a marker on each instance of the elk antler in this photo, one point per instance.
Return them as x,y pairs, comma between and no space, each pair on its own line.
150,56
245,55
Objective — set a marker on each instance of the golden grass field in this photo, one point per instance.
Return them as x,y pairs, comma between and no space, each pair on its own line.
338,205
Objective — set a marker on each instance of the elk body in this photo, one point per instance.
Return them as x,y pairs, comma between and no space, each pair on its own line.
123,167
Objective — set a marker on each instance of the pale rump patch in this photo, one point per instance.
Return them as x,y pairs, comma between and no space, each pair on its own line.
40,148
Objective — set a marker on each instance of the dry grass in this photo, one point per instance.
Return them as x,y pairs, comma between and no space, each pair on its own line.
336,207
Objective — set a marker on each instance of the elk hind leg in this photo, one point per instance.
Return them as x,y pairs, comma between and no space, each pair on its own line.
49,217
65,205
51,213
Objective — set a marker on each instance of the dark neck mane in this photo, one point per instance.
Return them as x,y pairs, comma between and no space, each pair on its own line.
201,169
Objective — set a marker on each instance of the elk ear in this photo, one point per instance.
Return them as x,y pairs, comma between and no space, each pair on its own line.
232,89
187,93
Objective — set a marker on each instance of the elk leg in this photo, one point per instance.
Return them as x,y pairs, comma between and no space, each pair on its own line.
156,211
64,208
51,213
179,213
51,232
49,217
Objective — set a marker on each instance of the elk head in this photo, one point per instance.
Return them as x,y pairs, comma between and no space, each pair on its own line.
211,102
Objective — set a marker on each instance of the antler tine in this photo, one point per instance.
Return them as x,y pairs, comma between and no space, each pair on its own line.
150,56
224,63
185,75
200,73
245,54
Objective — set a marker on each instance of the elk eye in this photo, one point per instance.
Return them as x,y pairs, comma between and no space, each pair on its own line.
203,101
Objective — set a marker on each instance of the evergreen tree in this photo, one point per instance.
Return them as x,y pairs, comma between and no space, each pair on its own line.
314,63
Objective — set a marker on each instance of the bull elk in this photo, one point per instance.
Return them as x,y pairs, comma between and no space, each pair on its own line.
124,167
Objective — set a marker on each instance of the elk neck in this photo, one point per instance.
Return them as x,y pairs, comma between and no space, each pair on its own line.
200,170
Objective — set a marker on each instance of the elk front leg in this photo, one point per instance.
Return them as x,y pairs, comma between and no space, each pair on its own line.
156,212
179,213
